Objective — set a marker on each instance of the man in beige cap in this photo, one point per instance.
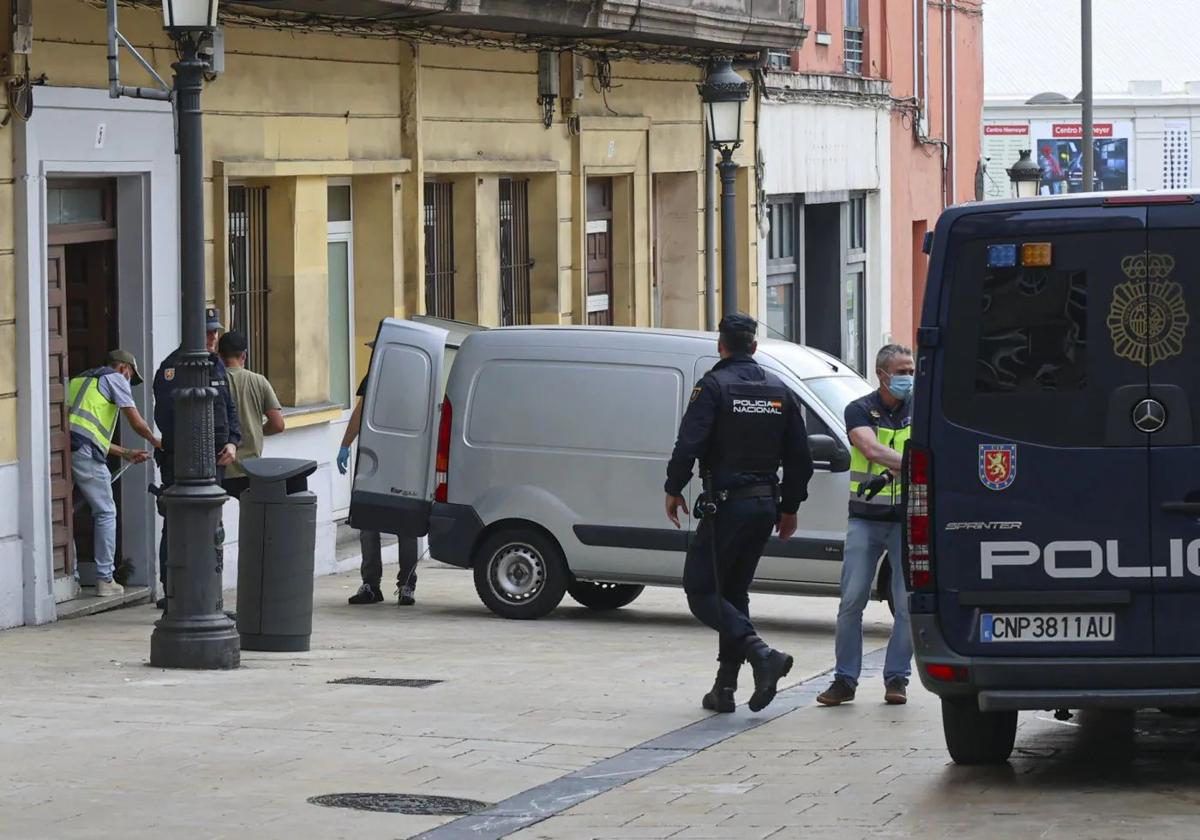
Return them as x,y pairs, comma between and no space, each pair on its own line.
96,398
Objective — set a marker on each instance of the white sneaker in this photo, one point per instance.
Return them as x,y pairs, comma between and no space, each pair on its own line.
108,588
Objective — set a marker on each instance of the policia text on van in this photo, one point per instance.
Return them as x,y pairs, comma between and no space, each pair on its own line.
1053,477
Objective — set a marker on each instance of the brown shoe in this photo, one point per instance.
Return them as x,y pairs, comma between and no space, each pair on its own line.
839,692
896,691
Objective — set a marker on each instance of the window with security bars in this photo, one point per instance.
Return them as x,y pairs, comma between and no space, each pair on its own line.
249,294
852,38
515,264
439,249
1177,156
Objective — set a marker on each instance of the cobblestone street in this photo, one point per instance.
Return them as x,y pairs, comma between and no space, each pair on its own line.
96,744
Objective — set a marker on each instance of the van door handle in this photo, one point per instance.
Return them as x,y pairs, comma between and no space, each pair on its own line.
1187,508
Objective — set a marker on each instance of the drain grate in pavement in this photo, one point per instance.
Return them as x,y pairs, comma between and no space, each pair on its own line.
401,803
400,683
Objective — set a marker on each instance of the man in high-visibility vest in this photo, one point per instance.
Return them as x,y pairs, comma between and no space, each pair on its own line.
96,398
878,425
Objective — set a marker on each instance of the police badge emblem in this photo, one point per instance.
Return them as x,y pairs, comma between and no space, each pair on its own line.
1148,317
997,465
169,374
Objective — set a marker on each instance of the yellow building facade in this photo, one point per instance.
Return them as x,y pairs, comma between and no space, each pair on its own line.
353,174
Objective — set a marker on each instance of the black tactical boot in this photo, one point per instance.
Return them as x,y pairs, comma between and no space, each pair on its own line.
720,699
770,666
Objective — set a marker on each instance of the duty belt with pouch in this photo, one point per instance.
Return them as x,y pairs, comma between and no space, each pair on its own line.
710,500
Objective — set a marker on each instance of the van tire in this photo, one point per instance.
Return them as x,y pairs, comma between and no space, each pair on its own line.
520,573
599,595
976,737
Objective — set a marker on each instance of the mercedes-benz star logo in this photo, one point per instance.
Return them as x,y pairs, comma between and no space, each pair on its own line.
1149,416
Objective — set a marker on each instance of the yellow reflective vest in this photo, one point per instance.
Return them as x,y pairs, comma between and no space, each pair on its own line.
885,504
91,414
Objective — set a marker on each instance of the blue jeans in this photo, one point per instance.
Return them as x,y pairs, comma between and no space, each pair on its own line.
741,529
93,481
866,540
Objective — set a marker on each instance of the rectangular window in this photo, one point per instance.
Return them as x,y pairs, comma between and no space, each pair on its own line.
340,310
439,249
783,267
779,60
857,239
249,295
515,264
852,40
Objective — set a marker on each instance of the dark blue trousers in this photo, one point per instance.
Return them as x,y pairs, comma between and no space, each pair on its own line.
739,532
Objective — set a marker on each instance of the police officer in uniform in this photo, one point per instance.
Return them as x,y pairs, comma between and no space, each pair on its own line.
742,423
878,425
227,432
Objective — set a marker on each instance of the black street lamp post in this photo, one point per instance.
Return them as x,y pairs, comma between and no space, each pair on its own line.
194,632
1026,176
724,92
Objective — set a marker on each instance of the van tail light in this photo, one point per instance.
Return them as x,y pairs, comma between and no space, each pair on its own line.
917,538
947,673
441,492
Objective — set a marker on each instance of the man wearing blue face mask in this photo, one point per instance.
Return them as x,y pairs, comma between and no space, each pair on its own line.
878,425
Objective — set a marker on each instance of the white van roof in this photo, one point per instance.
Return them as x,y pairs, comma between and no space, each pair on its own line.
805,362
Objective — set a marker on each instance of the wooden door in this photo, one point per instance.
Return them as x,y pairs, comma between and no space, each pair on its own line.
599,251
91,304
60,439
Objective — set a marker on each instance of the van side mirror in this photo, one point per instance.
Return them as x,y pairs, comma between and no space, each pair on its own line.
828,453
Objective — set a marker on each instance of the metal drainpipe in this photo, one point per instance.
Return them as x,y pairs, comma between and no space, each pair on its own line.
953,133
710,234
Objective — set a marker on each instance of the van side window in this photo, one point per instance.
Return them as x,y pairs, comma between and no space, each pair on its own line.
813,424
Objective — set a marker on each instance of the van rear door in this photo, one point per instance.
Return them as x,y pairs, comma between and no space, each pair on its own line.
393,478
1039,516
1172,304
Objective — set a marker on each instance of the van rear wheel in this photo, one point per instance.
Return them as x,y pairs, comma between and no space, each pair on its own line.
976,737
520,573
598,595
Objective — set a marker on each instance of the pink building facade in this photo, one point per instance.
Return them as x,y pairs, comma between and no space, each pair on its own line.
868,132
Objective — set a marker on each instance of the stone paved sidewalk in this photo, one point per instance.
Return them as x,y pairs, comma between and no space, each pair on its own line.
95,744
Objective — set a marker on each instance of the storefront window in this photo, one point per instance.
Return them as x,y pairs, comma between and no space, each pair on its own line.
780,305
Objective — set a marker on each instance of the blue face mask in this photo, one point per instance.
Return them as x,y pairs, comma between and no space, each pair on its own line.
900,385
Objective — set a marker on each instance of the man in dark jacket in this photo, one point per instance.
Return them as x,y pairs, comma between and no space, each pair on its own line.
227,432
742,423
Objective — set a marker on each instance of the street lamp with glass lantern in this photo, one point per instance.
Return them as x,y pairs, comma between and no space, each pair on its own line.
1026,176
723,93
194,631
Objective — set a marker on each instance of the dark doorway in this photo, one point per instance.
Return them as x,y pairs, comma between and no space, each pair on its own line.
823,277
599,301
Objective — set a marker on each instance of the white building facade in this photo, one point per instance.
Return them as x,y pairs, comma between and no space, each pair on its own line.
825,243
1146,95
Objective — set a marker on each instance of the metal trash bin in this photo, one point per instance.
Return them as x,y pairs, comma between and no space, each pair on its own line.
276,553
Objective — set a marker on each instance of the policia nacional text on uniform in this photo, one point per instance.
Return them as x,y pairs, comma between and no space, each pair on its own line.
742,423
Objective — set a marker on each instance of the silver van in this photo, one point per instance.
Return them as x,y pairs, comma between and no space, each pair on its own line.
542,468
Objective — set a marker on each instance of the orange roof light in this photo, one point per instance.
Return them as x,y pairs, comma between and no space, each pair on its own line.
1036,254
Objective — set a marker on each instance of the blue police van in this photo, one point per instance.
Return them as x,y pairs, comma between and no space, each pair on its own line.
1052,481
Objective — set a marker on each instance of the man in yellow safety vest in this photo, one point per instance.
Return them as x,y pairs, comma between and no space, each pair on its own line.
878,425
96,398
